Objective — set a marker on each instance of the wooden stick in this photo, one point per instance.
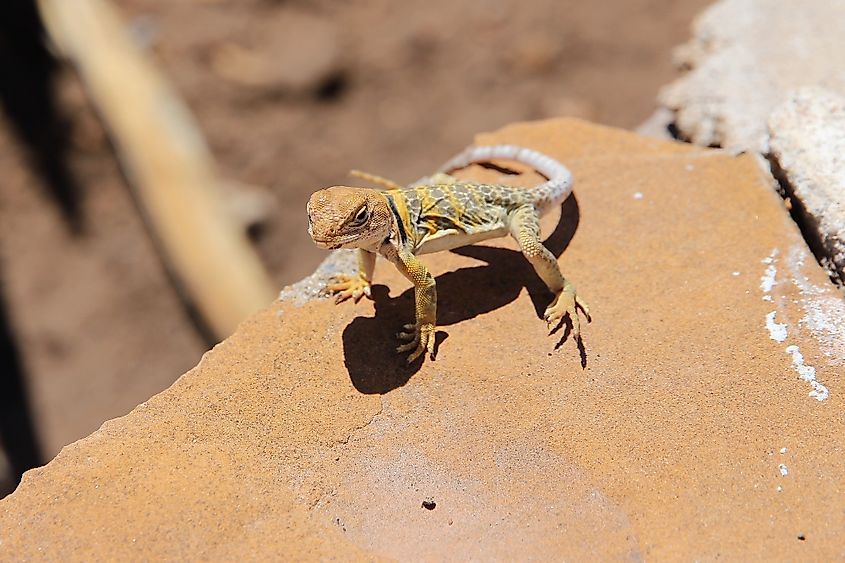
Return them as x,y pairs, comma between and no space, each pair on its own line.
167,163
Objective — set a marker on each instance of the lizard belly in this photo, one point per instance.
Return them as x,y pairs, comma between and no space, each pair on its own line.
453,238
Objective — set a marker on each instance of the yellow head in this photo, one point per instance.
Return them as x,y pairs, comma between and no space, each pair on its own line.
343,217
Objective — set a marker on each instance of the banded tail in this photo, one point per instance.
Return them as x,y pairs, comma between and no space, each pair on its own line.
551,192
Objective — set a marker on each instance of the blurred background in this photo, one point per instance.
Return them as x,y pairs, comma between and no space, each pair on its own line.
289,95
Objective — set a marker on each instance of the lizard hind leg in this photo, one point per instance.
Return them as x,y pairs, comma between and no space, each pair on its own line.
375,179
525,228
442,178
437,178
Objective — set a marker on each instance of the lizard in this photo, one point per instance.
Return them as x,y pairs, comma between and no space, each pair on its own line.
441,213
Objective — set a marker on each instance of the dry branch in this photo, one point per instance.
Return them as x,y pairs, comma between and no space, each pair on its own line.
167,162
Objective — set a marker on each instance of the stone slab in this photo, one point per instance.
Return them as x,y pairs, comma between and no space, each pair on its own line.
744,58
807,143
688,433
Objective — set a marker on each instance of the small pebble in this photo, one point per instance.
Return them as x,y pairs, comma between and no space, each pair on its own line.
429,503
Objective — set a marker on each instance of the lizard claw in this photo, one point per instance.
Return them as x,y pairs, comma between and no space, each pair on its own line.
345,287
567,303
420,341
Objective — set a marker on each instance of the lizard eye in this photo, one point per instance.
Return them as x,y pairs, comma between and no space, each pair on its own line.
360,217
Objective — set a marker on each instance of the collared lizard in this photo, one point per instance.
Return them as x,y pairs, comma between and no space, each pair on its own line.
442,213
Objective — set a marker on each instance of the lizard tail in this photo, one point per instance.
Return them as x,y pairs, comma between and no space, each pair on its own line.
552,192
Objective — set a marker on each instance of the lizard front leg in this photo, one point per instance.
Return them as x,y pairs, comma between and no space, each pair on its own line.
357,285
525,228
421,338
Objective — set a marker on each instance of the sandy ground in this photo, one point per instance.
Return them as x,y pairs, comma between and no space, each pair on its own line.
393,88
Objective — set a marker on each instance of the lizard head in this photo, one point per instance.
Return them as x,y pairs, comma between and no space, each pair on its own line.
343,217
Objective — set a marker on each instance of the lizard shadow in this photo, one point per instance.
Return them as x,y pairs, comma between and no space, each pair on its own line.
369,343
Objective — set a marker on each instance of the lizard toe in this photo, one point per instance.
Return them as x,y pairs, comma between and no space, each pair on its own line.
338,281
407,336
345,287
412,345
420,341
565,305
341,297
430,346
584,308
576,325
416,353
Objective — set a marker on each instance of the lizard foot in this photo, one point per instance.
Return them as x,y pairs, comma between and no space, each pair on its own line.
420,340
567,303
345,286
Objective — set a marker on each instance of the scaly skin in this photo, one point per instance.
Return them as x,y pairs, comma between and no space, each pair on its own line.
441,213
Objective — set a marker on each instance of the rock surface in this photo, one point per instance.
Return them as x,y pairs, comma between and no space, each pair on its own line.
658,125
688,434
744,58
808,148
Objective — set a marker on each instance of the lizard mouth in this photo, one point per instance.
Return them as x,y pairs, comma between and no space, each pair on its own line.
331,244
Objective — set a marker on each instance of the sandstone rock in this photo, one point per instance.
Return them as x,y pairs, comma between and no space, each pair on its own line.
808,147
744,57
688,434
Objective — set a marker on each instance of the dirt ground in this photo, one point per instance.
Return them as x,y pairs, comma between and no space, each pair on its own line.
290,95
